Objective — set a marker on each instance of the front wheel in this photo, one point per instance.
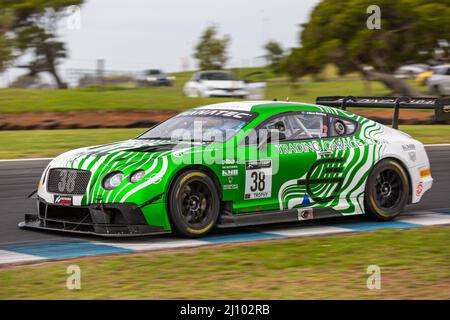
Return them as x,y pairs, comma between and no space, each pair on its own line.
387,190
194,204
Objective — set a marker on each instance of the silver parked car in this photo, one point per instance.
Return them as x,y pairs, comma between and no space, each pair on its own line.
439,81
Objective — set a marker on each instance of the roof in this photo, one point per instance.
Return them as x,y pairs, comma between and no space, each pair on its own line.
262,106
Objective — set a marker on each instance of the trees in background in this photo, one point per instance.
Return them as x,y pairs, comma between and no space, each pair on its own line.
274,54
6,45
211,50
30,28
337,33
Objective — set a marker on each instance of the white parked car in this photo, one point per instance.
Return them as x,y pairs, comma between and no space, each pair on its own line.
221,84
439,81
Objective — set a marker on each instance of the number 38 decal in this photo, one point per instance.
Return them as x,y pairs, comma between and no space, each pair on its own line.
258,179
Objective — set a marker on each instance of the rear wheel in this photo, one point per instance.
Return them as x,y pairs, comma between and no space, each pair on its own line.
194,204
387,190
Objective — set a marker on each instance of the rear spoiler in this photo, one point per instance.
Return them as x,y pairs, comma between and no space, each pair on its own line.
440,106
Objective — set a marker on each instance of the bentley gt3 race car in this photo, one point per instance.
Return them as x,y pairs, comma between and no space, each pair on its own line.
236,164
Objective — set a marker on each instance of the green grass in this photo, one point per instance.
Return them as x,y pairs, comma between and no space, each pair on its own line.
48,143
154,98
429,134
414,265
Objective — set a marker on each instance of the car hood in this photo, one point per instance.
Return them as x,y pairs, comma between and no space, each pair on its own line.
120,154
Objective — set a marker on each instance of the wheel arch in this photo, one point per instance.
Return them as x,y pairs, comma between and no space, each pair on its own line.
203,168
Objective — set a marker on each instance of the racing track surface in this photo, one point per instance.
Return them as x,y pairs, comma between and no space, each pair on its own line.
18,178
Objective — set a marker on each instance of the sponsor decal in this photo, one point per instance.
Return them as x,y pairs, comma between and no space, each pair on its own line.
220,113
230,179
229,161
327,147
419,189
63,200
408,147
230,172
258,179
412,156
425,172
231,187
230,167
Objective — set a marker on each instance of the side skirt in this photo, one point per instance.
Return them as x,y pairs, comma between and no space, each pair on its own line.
228,220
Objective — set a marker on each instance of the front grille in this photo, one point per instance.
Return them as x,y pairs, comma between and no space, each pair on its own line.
68,181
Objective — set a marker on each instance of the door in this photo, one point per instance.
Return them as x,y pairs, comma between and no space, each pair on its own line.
274,169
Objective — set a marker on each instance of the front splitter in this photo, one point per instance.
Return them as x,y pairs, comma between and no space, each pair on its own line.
33,222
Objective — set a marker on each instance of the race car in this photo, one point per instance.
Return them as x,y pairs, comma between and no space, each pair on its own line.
237,164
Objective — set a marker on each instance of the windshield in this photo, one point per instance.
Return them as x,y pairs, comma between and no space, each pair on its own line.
200,125
217,76
153,72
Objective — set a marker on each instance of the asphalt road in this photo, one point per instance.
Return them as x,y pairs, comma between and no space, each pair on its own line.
19,178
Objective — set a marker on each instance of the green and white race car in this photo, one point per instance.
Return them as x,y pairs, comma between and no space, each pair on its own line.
236,164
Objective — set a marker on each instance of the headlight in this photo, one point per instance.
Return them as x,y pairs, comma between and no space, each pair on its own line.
137,176
112,180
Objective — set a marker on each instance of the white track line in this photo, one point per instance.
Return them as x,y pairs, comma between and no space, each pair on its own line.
438,145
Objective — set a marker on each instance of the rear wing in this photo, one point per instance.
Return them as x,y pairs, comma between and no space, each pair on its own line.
440,106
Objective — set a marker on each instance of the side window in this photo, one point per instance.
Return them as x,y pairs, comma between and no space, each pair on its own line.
281,125
448,72
308,125
341,127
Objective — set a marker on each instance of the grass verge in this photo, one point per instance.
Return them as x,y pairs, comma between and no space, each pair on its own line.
156,98
49,143
414,265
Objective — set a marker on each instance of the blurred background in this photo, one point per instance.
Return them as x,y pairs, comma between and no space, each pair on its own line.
97,64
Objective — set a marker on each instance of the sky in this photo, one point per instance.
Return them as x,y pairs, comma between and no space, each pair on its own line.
135,35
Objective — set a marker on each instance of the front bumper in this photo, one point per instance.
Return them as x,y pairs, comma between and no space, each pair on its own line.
109,220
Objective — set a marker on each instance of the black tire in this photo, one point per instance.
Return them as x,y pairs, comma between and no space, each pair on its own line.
194,204
437,91
387,191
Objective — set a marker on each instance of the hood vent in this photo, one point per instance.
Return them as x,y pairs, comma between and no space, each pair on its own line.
164,147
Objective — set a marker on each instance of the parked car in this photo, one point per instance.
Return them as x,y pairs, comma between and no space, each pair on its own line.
154,77
411,71
256,85
422,78
439,81
222,84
